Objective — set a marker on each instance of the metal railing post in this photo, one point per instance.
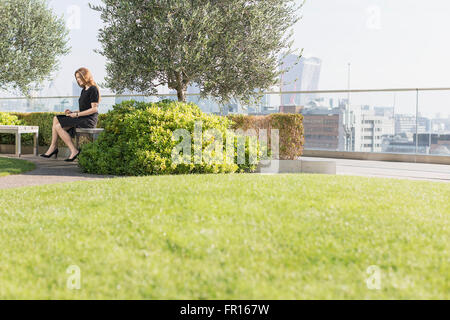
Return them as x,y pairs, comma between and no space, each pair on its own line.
417,120
431,131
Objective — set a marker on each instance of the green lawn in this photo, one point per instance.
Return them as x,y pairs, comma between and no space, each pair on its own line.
226,237
14,166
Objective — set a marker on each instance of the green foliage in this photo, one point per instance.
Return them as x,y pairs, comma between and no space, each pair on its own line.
8,119
44,120
31,40
229,48
239,236
138,141
290,126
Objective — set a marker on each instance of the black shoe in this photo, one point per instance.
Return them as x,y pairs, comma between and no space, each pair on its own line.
74,157
55,152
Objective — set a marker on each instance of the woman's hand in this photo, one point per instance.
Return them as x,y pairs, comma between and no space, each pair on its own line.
72,115
67,111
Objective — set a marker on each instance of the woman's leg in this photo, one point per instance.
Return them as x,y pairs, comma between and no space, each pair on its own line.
53,144
67,139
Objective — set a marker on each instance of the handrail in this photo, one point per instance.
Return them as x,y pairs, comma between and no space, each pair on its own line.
269,92
379,156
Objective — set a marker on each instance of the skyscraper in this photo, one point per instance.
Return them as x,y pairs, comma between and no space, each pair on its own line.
76,92
304,76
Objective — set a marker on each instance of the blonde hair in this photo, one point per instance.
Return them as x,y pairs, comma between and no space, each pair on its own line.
87,79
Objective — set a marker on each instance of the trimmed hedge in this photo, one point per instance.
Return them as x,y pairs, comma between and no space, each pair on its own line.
42,119
290,128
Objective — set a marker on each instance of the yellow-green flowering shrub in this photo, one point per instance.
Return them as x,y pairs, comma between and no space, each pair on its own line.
8,119
138,140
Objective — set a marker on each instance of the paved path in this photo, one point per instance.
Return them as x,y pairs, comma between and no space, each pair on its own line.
55,171
47,171
385,169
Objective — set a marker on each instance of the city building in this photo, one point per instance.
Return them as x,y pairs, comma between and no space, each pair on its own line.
360,128
440,124
370,128
407,123
384,111
324,131
439,143
429,143
128,95
303,76
291,109
208,105
324,126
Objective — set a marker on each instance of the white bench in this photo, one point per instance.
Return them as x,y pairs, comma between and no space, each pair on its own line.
18,131
89,132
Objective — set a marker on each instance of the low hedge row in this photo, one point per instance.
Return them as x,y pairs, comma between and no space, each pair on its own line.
42,119
290,126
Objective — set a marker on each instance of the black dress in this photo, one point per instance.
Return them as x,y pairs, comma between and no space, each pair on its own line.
86,98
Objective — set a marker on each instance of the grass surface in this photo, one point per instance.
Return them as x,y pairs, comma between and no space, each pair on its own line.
14,166
226,237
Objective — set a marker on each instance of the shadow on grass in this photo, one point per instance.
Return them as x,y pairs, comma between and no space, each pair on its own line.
10,166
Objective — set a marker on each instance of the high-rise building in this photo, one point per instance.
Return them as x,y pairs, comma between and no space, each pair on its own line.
303,76
76,92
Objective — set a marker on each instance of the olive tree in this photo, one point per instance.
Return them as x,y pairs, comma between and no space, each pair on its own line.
231,49
32,38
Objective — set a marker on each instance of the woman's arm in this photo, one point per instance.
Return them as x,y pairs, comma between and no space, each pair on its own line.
94,98
87,112
93,109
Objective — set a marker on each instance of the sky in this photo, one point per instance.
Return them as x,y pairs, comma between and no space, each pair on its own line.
390,44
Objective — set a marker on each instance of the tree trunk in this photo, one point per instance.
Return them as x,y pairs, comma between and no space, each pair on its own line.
181,87
181,93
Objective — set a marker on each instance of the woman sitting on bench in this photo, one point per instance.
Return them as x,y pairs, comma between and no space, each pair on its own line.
64,125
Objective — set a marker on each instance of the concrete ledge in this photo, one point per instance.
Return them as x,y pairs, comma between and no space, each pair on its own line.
393,157
280,166
297,166
10,149
318,166
89,130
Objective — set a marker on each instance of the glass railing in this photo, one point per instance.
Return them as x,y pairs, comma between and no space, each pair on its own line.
412,121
